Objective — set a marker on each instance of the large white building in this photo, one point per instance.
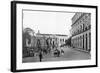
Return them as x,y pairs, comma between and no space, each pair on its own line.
56,38
81,31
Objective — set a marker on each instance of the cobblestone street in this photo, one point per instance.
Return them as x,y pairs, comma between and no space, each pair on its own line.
69,54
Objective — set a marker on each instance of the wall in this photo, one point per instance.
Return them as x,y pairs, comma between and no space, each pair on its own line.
5,36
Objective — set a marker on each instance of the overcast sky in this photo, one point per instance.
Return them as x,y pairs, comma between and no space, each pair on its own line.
48,22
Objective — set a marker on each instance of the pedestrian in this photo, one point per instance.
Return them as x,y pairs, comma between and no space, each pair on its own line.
40,56
58,53
62,51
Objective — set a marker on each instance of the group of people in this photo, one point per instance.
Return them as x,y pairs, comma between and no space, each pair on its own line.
49,44
57,54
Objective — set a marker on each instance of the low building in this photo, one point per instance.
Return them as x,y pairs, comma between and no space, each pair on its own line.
55,38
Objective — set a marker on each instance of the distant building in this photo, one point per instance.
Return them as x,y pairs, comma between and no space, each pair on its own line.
55,38
62,39
81,31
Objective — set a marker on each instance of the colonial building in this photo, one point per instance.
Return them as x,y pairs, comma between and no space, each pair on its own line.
61,39
55,38
35,42
81,31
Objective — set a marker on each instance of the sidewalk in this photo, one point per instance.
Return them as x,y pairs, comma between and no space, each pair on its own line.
81,50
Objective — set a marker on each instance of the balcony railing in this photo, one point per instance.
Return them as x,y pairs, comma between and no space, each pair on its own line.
82,30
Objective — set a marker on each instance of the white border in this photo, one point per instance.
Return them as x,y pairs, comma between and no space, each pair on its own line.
37,65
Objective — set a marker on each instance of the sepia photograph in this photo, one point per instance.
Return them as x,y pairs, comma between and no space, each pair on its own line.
48,36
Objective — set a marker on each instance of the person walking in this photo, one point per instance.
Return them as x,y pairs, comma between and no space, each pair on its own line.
40,56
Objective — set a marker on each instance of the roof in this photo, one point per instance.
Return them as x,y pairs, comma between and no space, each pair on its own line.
54,34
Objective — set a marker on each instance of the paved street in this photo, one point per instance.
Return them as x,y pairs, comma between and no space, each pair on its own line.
69,54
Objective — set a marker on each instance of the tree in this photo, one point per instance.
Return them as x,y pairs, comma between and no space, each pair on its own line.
68,41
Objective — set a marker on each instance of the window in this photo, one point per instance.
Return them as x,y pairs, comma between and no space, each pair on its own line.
86,28
80,28
83,27
89,26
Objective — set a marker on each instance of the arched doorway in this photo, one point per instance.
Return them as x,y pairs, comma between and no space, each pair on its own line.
83,42
86,43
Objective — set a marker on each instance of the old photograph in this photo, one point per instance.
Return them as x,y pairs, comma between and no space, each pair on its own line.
48,36
55,36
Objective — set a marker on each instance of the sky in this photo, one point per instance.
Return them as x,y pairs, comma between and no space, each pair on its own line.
48,22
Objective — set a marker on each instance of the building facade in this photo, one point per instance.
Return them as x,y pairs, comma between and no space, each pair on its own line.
33,43
61,39
81,31
54,38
